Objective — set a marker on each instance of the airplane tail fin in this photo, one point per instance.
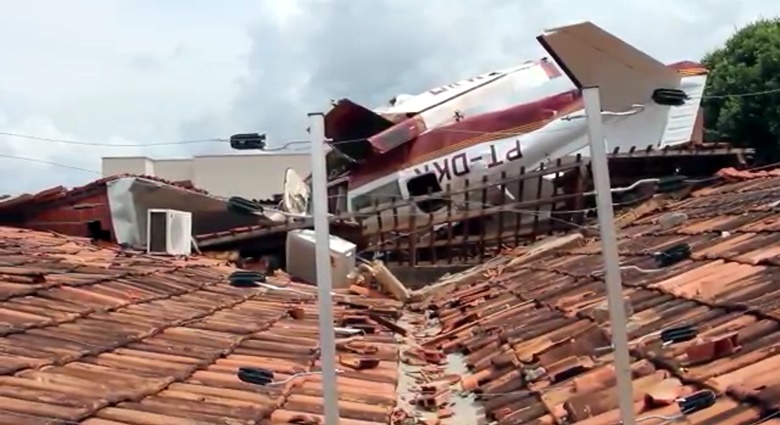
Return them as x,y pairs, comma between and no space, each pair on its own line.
349,121
626,76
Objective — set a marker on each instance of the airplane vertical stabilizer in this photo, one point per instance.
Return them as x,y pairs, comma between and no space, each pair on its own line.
626,76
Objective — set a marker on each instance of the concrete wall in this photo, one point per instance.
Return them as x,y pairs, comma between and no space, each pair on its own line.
250,176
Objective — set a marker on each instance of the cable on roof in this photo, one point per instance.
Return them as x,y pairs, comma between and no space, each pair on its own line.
255,279
670,97
265,377
664,259
673,183
243,206
693,403
667,336
678,334
246,279
255,375
697,401
673,255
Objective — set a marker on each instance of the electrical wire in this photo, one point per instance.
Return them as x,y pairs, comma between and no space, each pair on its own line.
635,109
81,143
118,145
747,94
286,145
775,414
502,133
42,161
294,142
536,213
667,419
283,147
486,205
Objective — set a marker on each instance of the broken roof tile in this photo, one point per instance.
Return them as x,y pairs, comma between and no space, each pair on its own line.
546,313
103,336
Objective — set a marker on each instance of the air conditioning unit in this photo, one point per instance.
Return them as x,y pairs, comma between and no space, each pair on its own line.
168,232
302,263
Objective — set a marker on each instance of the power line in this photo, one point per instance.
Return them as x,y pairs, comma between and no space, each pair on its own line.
43,161
283,147
747,94
522,130
125,145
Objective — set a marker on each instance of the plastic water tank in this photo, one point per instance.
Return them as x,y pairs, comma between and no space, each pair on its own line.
301,257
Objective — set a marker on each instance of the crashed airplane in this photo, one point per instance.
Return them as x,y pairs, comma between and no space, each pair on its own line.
418,145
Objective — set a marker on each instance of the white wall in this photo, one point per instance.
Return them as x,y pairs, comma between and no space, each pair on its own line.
174,169
250,176
127,165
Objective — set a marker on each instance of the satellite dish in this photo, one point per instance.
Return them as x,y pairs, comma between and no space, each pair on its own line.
295,198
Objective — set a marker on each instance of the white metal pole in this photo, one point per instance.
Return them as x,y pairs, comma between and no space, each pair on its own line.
617,312
319,199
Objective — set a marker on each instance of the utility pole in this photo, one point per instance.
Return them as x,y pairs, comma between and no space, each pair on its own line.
319,199
617,312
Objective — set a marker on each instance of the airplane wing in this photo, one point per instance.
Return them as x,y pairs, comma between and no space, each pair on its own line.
531,74
442,105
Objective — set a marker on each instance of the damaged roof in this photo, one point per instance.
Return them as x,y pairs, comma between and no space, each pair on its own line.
536,334
14,204
100,336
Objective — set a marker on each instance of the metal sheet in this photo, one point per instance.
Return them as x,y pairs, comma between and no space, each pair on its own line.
129,198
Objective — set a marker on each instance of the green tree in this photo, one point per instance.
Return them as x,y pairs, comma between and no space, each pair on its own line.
744,83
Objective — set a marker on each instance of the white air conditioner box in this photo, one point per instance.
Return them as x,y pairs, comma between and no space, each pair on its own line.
168,232
301,257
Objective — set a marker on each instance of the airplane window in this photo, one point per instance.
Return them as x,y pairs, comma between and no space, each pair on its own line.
426,184
381,195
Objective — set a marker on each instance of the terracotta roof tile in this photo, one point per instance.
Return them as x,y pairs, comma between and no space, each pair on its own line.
61,192
104,337
536,335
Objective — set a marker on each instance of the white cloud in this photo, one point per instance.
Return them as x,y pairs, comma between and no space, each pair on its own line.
146,70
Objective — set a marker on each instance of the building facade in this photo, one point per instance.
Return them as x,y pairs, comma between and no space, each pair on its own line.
256,176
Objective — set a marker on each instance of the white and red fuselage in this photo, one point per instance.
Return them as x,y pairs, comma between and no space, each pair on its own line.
429,135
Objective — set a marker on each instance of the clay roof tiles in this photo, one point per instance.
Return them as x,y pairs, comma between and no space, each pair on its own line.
536,335
8,204
99,336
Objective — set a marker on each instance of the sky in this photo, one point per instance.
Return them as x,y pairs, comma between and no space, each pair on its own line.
135,72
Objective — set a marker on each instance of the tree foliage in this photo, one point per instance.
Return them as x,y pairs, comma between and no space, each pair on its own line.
748,64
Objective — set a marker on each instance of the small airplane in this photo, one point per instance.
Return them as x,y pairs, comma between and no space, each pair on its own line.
407,117
424,144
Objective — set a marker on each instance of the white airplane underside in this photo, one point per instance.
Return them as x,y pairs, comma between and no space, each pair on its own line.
628,80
